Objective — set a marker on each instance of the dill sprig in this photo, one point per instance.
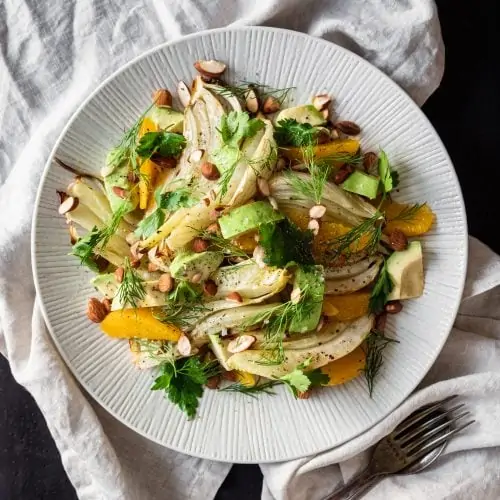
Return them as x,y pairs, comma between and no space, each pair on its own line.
409,212
374,347
220,243
263,91
157,350
131,289
252,390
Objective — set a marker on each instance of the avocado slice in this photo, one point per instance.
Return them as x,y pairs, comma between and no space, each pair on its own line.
406,269
312,278
360,183
106,284
167,118
119,178
302,114
247,217
187,264
219,348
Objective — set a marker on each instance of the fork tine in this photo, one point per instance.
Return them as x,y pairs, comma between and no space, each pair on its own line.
437,442
419,415
432,431
428,423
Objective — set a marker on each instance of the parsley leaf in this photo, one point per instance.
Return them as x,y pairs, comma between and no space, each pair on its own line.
163,143
284,242
300,381
183,382
318,378
383,287
290,132
84,249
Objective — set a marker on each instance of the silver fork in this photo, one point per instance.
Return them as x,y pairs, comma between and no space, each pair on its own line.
411,442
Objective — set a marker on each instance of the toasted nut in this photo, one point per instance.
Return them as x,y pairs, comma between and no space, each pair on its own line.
101,263
62,196
271,105
183,93
211,68
119,273
393,307
317,211
321,101
184,345
96,310
200,245
132,177
251,101
196,278
163,162
196,155
135,263
162,97
323,135
343,173
209,171
234,297
73,235
273,202
313,226
231,376
69,204
304,395
210,287
258,255
136,251
165,283
213,382
213,228
295,296
380,322
348,128
119,191
152,268
398,240
280,164
334,134
206,201
370,160
240,343
326,113
107,304
263,186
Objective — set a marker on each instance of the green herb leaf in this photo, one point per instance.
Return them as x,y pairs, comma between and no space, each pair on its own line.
163,143
317,377
150,224
180,198
383,287
84,249
131,289
297,381
284,242
183,382
389,179
252,390
290,132
263,91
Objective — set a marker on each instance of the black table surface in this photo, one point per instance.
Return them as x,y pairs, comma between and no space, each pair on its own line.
464,111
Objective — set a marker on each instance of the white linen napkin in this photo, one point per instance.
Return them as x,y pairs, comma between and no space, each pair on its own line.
53,54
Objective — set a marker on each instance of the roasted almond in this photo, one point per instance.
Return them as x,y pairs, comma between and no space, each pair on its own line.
321,101
135,263
210,287
326,113
209,171
251,101
183,93
234,297
120,192
68,205
184,345
398,240
96,310
213,228
313,226
62,196
263,186
213,382
73,234
343,173
119,273
165,283
152,268
162,97
370,160
196,155
200,245
210,68
240,343
280,164
136,251
393,307
196,278
347,127
231,376
132,177
271,105
163,162
107,304
317,211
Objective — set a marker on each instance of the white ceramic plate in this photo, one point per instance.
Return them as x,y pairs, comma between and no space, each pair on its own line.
233,427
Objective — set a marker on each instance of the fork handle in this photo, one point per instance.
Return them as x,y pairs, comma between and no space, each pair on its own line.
358,486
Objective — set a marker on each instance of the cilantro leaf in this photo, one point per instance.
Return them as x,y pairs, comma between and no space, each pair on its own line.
180,198
297,381
183,382
236,126
317,377
284,242
150,224
163,143
383,287
290,132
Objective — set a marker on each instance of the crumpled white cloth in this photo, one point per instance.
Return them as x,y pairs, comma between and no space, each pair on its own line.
53,54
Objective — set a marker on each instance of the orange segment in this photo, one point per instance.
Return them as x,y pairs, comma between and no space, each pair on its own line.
346,368
147,169
340,147
410,222
147,125
350,307
246,241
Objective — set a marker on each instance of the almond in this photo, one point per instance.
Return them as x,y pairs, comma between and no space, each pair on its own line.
69,204
273,203
213,382
271,105
152,268
162,97
136,251
107,304
196,278
73,235
210,287
251,101
196,155
209,171
370,160
258,256
62,196
348,128
96,310
119,273
184,345
132,177
326,113
213,228
398,240
120,192
317,211
343,173
165,283
231,376
135,263
183,93
234,297
263,187
240,343
206,201
210,68
321,101
393,307
280,164
163,162
313,226
200,245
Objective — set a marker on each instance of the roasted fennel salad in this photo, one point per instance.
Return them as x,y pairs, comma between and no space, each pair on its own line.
239,243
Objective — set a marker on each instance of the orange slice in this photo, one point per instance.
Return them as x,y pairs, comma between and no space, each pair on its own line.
346,368
337,148
349,307
410,222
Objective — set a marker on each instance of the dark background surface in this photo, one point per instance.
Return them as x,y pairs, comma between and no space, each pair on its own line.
465,111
